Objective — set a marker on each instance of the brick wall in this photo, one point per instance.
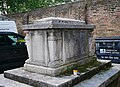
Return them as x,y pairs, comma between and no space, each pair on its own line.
105,14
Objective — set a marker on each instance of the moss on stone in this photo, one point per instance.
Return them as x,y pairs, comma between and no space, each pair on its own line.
86,67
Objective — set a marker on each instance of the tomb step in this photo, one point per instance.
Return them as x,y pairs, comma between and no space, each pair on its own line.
4,82
103,79
37,80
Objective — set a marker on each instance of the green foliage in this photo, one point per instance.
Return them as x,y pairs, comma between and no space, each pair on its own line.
13,6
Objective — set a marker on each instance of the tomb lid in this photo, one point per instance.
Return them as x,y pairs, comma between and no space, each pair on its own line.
58,20
58,23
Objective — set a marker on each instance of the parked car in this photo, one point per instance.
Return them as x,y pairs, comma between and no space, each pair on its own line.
13,51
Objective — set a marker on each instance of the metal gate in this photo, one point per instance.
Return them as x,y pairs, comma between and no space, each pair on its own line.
108,48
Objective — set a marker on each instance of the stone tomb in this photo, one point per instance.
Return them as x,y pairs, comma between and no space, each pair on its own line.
54,44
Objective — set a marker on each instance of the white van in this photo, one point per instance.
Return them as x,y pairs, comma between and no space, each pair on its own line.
8,26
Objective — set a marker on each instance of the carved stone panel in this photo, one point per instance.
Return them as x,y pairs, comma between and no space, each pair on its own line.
72,44
55,48
38,48
76,46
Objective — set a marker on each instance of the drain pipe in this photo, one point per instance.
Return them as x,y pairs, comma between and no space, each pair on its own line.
27,19
86,22
85,18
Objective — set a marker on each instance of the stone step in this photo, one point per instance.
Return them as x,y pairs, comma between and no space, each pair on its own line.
99,80
4,82
103,79
35,79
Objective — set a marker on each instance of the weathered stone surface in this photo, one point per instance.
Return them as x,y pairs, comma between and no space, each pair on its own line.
53,71
4,82
39,80
58,23
53,43
34,79
107,78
